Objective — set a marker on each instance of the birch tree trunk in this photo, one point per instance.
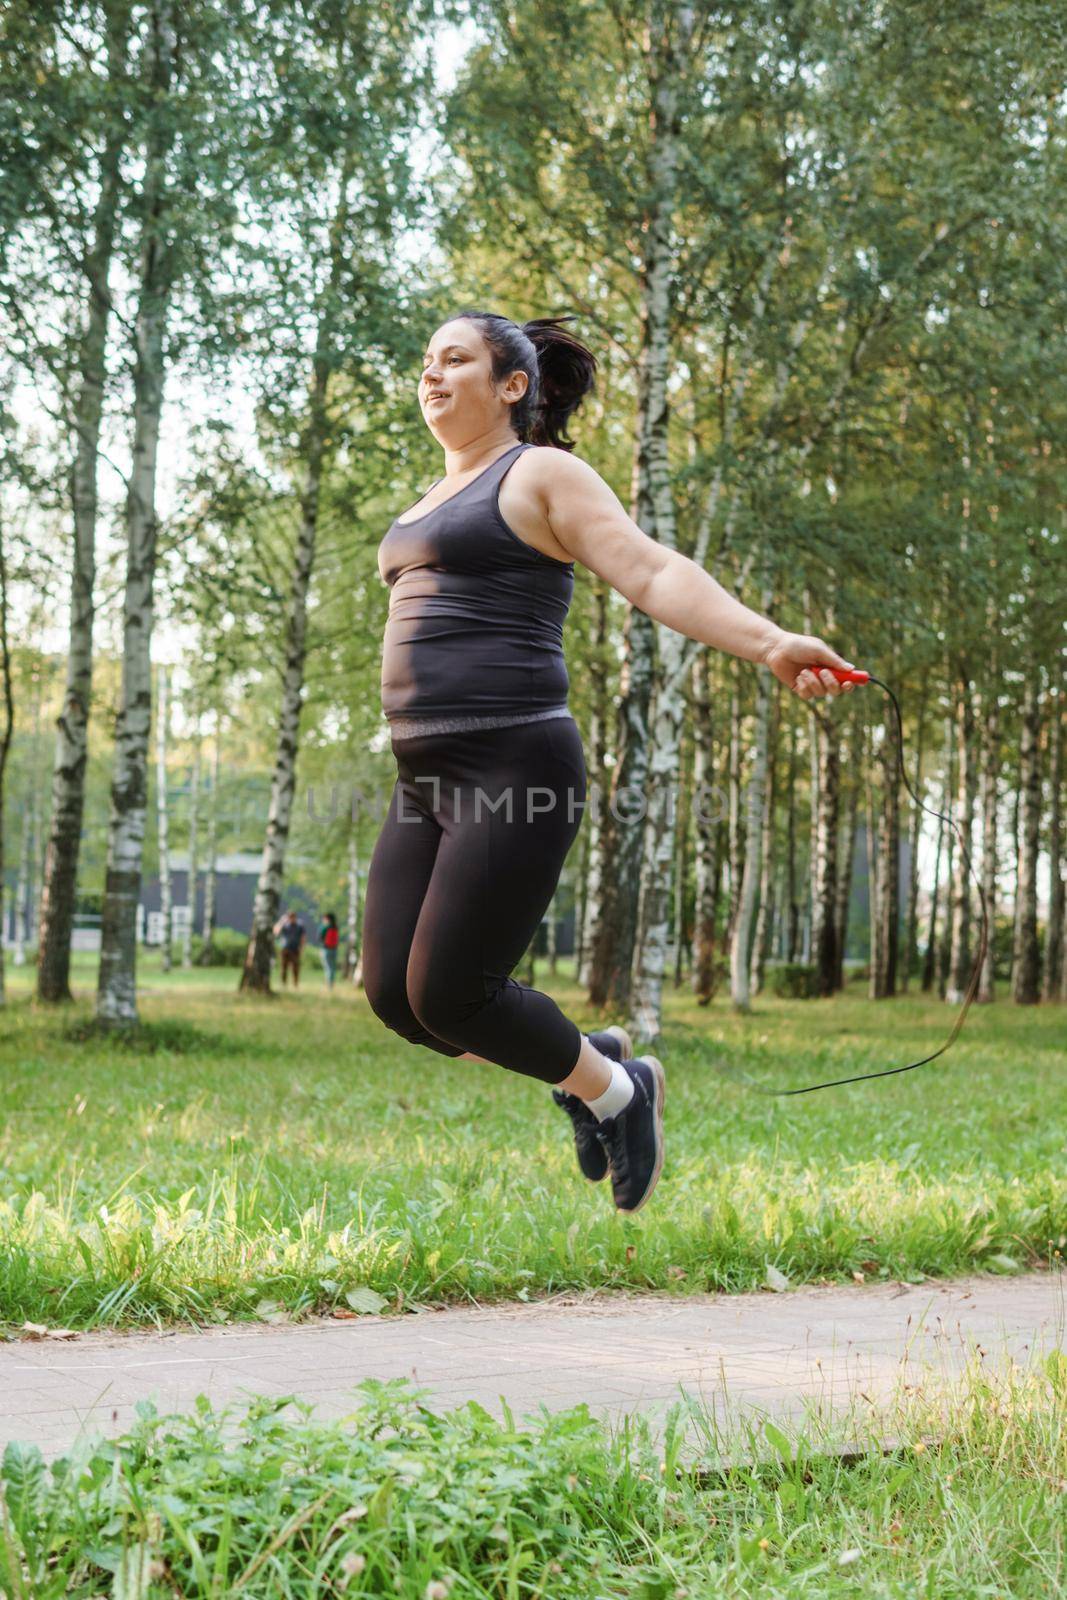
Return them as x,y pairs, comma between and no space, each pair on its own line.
72,726
889,856
986,991
824,952
734,825
681,869
670,31
166,896
874,896
792,940
211,882
814,805
6,734
950,850
27,872
551,919
959,972
622,824
581,903
116,1002
911,914
757,798
256,973
352,951
847,846
765,912
1016,812
1026,964
930,958
22,891
193,876
706,819
1053,979
594,819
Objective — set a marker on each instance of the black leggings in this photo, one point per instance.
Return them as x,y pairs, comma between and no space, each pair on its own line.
478,828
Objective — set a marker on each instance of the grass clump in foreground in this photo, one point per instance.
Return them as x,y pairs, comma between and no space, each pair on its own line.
240,1158
398,1500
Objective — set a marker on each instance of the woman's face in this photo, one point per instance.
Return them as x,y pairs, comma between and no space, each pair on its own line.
457,366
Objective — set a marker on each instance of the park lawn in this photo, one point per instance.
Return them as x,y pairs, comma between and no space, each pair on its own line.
242,1158
965,1496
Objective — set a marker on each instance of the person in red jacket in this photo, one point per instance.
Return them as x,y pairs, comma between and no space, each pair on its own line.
330,939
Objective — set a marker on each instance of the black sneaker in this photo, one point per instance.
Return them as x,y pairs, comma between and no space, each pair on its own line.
633,1140
616,1043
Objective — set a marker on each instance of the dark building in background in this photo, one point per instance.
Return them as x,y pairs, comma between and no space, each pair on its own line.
236,877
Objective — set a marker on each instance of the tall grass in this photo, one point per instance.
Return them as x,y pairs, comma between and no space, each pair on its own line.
241,1158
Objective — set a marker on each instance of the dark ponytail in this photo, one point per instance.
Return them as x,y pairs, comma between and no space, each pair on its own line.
560,370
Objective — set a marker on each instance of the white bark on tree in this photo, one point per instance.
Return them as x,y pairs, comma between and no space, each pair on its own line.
7,730
792,930
193,875
681,872
990,758
889,859
116,1002
166,895
642,849
735,835
765,909
950,852
930,955
959,963
1053,976
755,803
1026,964
825,741
352,951
211,880
31,816
267,904
847,846
706,819
593,822
875,967
72,727
911,913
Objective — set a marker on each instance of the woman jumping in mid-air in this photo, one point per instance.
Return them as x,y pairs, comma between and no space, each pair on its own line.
491,777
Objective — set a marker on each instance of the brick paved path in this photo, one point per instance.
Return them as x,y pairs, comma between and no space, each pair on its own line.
827,1348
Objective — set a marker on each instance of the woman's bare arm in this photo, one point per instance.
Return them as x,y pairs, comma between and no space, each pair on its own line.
589,521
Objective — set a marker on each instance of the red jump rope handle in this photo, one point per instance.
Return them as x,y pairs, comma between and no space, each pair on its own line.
842,674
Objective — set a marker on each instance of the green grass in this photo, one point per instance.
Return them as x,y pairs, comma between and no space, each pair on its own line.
242,1158
397,1500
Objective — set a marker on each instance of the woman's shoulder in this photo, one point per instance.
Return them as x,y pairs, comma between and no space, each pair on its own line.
546,466
547,456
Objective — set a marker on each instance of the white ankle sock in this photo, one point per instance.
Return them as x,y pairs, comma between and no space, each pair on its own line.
616,1096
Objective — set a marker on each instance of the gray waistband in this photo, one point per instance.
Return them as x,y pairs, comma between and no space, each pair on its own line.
413,727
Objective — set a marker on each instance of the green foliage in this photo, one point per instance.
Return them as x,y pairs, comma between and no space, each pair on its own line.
228,948
792,980
398,1499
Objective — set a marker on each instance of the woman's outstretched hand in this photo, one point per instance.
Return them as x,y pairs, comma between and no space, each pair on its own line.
792,658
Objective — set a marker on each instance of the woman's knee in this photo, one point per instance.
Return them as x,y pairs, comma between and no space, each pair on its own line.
387,996
439,1004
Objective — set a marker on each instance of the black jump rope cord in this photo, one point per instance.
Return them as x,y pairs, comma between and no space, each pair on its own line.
975,975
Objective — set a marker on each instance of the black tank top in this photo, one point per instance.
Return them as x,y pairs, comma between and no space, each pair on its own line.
475,614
